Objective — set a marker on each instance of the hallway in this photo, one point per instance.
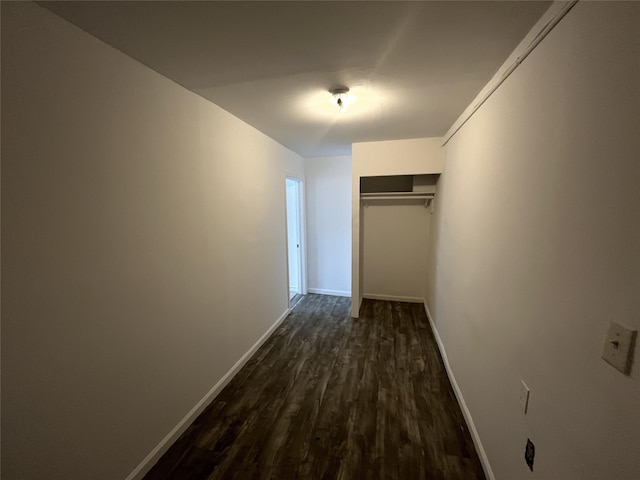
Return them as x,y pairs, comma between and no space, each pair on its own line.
328,396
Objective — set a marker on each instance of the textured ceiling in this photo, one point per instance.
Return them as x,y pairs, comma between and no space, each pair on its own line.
413,66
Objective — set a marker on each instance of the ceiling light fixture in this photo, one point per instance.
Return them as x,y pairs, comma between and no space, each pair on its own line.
341,98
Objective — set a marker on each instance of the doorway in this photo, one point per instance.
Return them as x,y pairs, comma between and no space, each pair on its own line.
295,215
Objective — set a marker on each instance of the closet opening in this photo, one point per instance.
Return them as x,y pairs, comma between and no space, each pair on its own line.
395,223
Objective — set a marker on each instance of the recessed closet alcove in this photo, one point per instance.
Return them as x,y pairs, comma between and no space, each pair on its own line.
396,213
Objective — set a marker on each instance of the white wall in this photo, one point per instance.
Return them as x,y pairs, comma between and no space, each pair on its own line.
394,258
537,247
398,157
143,250
394,157
328,199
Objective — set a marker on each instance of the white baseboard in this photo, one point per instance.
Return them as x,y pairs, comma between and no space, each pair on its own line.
465,411
337,293
392,298
151,459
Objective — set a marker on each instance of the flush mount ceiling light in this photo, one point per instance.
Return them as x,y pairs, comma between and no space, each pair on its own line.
366,102
342,98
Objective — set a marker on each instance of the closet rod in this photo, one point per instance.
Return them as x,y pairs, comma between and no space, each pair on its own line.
427,197
399,197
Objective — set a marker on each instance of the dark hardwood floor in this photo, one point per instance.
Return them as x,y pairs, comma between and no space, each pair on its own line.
331,397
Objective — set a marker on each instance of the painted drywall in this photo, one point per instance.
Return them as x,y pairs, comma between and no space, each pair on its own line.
143,250
394,257
398,157
393,157
294,168
536,247
328,182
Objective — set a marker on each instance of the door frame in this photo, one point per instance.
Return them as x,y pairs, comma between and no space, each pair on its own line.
302,233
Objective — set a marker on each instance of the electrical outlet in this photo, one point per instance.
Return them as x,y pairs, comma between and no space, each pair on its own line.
619,346
524,397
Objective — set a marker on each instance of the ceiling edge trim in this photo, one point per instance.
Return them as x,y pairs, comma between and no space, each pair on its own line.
540,30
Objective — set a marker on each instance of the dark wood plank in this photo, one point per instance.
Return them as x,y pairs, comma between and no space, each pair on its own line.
331,397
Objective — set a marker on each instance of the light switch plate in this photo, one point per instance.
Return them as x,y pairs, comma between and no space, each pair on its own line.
619,347
524,396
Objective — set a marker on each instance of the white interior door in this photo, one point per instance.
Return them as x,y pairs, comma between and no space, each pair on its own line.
294,234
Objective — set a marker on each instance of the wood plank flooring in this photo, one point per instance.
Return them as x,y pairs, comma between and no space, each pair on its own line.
331,397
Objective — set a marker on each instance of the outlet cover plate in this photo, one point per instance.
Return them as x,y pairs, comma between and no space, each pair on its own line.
619,346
